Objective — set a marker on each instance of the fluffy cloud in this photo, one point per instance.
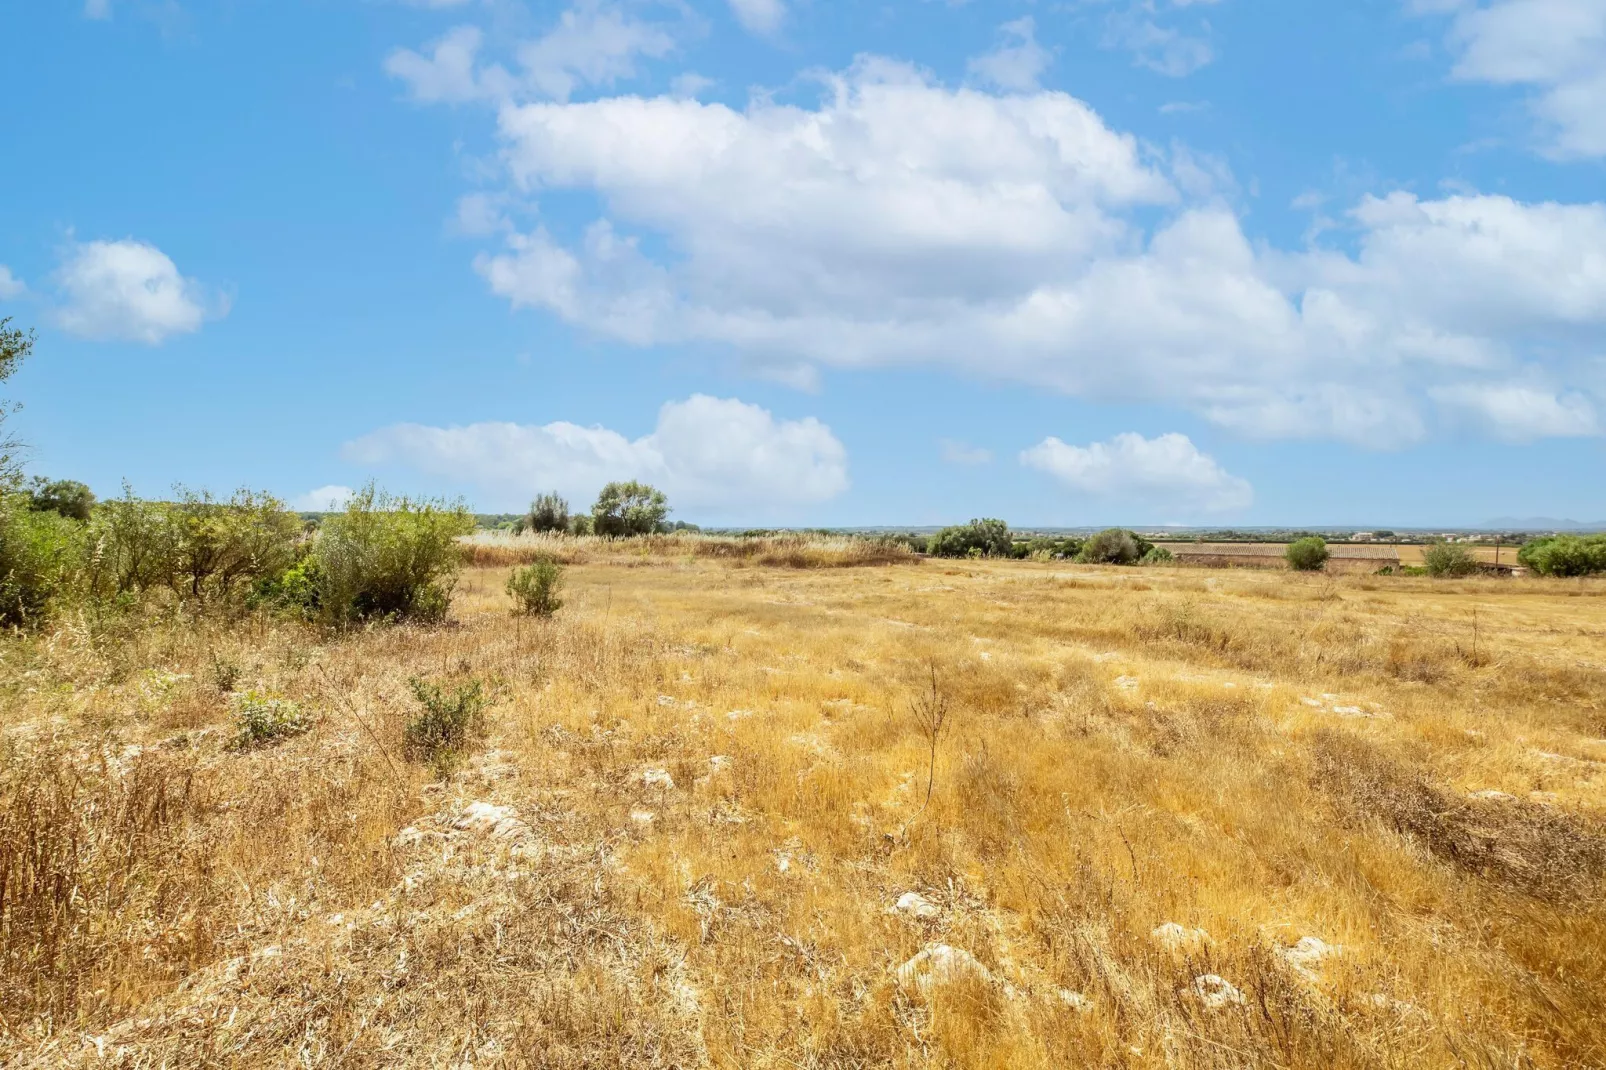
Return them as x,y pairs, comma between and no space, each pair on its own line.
1018,61
128,290
1555,47
759,16
1167,470
901,222
1519,412
718,454
323,500
10,285
593,43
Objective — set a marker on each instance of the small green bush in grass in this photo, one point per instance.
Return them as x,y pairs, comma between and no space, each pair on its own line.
264,719
1309,554
449,719
536,588
1446,560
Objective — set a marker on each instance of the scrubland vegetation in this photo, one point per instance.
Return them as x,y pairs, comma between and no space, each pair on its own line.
731,805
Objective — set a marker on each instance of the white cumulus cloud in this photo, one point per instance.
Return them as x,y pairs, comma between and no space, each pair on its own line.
1517,412
1167,470
1555,48
10,285
592,43
1018,61
722,455
1013,236
128,290
762,17
323,500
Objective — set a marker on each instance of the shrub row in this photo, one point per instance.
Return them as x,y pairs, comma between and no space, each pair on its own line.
381,557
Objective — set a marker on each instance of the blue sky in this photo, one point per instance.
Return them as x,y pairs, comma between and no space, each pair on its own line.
1142,261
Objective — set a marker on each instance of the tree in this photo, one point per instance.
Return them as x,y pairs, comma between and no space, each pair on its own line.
15,345
1565,555
1446,559
979,538
547,513
1114,546
68,497
629,509
1308,554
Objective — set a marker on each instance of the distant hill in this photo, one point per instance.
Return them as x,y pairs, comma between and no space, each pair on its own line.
1541,523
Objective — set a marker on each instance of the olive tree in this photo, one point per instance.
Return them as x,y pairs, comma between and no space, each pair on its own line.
628,509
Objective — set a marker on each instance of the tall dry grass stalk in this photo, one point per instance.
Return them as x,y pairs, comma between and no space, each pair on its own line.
496,549
1175,819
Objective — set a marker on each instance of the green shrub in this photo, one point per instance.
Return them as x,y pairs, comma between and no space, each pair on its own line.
547,513
41,554
536,587
65,496
1308,554
264,719
1114,546
1157,555
1565,555
382,557
979,538
1448,560
448,720
581,524
628,509
215,545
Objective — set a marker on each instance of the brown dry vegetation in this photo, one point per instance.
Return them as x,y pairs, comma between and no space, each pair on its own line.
1261,756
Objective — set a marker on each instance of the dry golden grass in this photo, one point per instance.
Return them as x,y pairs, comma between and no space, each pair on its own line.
799,550
714,800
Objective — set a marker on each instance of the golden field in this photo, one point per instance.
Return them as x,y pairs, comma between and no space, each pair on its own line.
1176,818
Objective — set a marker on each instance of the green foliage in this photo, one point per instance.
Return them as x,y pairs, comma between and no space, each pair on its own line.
382,557
1448,560
536,587
546,514
580,524
979,538
15,345
40,558
1114,546
1157,555
628,509
1045,548
449,718
65,496
264,719
1308,554
1565,555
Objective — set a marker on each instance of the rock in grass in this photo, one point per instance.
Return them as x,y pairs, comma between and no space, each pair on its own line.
1179,938
915,905
940,965
1216,992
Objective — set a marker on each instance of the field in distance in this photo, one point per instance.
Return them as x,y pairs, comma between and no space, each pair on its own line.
1008,814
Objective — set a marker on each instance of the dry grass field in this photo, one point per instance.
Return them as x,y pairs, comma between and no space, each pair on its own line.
1170,818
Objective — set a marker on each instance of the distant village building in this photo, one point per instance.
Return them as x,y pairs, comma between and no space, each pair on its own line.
1364,536
1341,558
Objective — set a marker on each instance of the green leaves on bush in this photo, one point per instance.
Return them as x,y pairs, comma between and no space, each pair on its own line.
1308,554
1114,546
449,719
1448,560
381,558
536,587
979,538
264,719
548,513
68,497
1565,555
628,509
40,555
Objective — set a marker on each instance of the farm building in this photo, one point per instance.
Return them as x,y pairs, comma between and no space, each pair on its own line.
1341,558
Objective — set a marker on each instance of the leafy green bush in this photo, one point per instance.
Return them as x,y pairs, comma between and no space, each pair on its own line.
382,557
628,509
449,718
265,719
535,587
1114,546
1044,548
65,496
41,554
1308,554
547,513
979,538
1565,555
1448,560
1157,555
580,524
